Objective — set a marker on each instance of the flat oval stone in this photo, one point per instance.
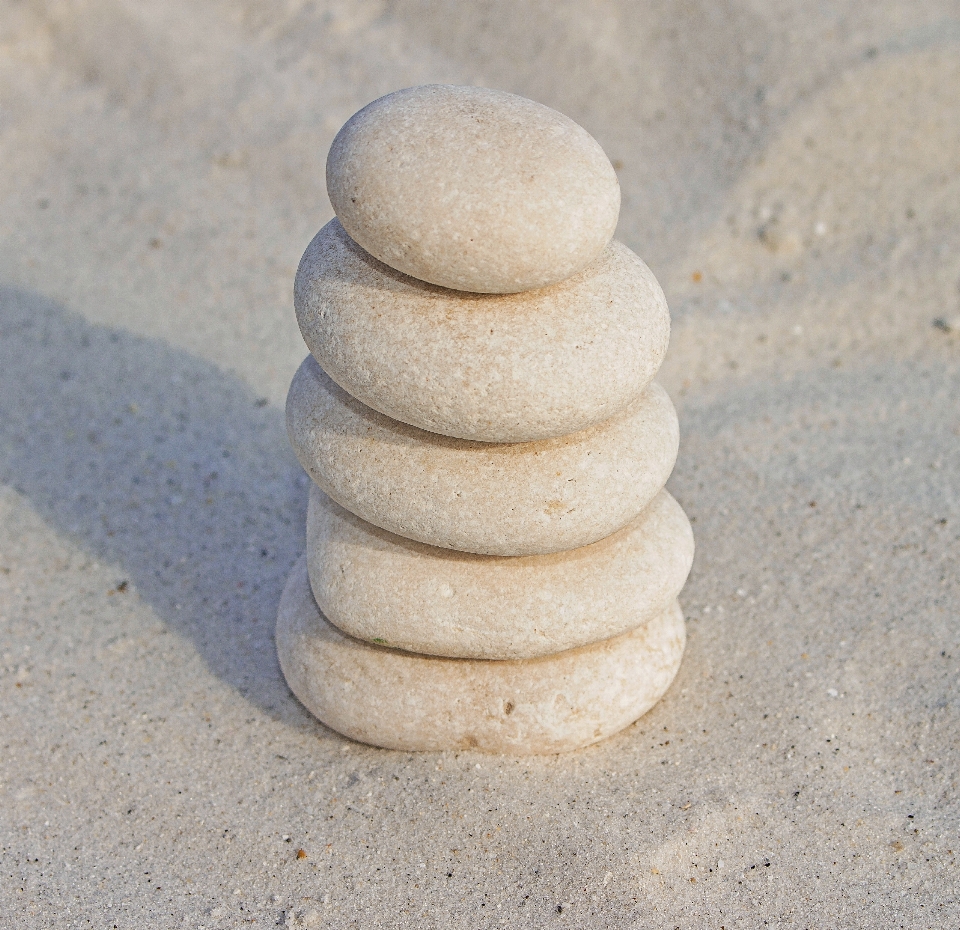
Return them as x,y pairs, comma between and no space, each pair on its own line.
395,592
401,700
492,498
496,368
472,188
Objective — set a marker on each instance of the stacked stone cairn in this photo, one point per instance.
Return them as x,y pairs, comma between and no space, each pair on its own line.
492,560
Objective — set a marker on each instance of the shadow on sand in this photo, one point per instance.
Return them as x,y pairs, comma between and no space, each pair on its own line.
163,465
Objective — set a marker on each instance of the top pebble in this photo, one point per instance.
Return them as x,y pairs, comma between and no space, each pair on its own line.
473,189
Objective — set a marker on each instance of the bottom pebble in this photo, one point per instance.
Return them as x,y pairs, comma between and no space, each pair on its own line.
400,700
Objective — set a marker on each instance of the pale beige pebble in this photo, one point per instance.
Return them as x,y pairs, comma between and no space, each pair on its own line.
401,700
396,592
498,368
473,188
490,498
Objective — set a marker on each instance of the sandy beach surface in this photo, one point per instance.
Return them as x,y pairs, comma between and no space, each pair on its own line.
790,172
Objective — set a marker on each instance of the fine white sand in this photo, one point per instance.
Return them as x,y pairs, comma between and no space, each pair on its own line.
791,173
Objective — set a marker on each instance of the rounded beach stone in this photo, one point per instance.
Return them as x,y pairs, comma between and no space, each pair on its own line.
472,188
401,700
491,498
497,368
393,591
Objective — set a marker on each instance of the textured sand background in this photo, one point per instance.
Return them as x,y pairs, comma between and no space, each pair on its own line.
791,173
